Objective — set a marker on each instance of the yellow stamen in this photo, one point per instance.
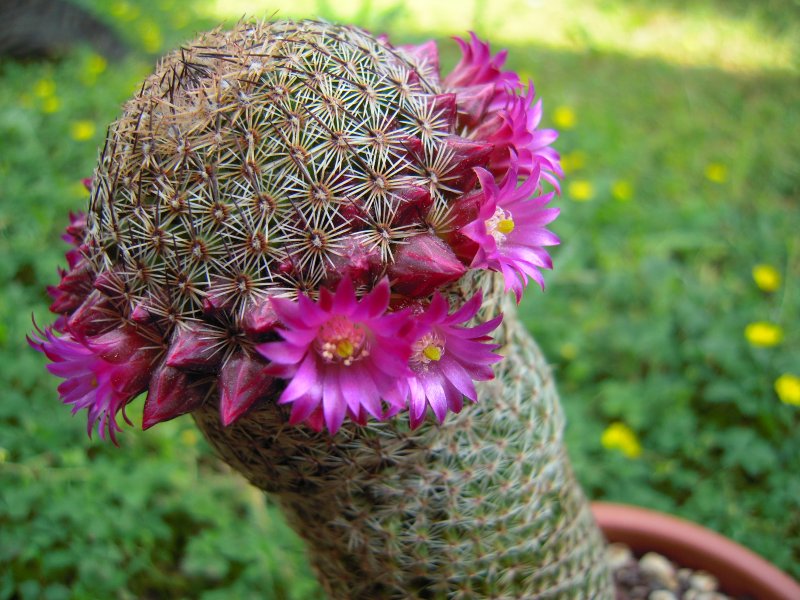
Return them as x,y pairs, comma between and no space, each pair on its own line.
505,226
344,348
432,352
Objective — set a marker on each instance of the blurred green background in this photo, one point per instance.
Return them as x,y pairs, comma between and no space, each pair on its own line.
671,319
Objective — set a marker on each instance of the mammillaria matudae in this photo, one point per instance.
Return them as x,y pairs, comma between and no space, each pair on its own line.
290,236
275,162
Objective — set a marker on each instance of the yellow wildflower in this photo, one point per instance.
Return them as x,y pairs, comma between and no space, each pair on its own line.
151,36
619,436
581,190
766,277
180,19
716,172
787,386
95,64
573,161
763,334
568,351
78,190
124,11
622,190
82,130
564,117
51,104
44,88
189,437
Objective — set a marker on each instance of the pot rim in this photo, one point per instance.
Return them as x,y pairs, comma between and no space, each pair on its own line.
738,570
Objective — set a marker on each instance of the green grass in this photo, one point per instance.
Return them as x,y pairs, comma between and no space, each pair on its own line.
643,317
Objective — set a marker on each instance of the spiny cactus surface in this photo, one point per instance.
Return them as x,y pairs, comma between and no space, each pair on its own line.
255,162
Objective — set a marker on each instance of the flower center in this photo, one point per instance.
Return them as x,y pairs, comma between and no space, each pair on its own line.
429,348
500,225
341,341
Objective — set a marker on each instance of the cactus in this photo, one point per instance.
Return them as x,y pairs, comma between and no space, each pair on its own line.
289,236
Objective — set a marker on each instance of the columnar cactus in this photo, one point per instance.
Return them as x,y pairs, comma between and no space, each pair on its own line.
289,236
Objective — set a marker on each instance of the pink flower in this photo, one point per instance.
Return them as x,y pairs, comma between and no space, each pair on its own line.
340,354
513,130
510,230
447,358
477,66
495,107
101,375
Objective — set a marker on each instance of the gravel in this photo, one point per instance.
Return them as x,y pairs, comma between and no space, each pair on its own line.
652,576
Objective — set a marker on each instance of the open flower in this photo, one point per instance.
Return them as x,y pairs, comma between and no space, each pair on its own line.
342,355
618,436
510,230
101,375
499,109
787,386
447,358
513,129
763,334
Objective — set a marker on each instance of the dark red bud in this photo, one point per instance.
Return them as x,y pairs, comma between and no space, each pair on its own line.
110,283
87,183
352,210
466,155
75,286
414,202
133,356
444,107
414,148
119,345
259,318
172,393
473,102
91,317
427,56
242,382
357,261
134,376
195,347
423,265
465,210
215,300
141,314
286,266
75,256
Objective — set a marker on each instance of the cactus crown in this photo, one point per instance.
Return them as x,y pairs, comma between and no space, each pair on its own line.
206,194
310,182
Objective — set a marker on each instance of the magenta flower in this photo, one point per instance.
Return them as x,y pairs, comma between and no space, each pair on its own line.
447,358
513,130
478,67
340,354
510,230
101,376
498,109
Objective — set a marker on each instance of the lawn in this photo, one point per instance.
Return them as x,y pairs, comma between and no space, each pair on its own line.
671,317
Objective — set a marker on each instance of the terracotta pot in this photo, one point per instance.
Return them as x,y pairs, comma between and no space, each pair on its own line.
739,571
